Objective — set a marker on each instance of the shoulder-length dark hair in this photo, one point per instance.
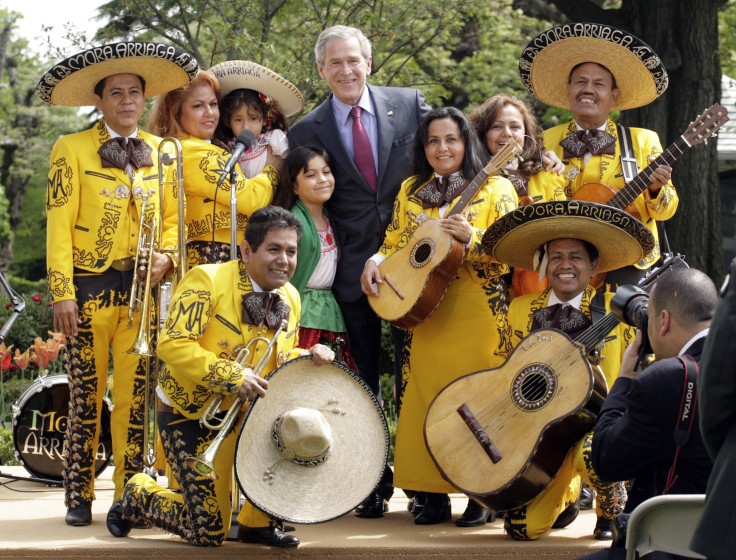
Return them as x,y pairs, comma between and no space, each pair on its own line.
486,114
474,153
296,162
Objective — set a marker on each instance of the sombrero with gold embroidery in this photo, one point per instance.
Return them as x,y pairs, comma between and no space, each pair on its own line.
72,81
515,239
548,59
243,74
315,446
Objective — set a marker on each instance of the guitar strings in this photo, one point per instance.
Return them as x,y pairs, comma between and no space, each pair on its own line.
539,385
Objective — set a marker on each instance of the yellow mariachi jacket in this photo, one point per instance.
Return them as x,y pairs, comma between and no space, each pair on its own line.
208,207
205,326
518,323
93,212
495,198
606,169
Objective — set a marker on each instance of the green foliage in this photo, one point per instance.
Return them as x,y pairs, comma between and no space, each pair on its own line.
458,52
6,235
38,318
727,38
7,454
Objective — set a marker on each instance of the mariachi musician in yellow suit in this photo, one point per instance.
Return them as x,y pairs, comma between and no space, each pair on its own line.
596,238
594,69
191,114
447,152
99,181
217,308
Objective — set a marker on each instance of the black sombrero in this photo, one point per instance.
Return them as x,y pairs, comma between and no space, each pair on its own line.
72,81
620,238
546,63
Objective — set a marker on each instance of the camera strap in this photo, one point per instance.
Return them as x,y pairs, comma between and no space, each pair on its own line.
686,416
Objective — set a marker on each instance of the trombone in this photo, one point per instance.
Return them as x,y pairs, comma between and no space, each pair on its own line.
149,240
204,463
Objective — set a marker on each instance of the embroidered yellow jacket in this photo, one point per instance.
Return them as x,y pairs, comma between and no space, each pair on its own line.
518,323
93,212
606,169
207,204
205,326
495,198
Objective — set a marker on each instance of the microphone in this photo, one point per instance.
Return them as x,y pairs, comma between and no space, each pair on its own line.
242,142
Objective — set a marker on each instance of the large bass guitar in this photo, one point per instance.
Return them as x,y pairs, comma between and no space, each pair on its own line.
415,278
501,435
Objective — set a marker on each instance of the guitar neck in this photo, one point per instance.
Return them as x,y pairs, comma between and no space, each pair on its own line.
641,182
594,334
498,162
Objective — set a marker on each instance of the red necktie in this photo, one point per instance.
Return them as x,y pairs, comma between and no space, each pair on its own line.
362,153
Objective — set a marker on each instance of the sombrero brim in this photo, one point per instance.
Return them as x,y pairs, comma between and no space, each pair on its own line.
71,82
313,494
243,74
621,239
548,59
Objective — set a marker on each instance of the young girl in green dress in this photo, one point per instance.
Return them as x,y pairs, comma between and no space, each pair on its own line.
306,186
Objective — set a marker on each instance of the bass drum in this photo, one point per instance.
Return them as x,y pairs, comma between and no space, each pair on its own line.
39,426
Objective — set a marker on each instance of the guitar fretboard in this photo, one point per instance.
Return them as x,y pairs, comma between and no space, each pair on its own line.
638,184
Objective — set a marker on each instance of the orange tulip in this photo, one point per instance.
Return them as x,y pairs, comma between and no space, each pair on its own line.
5,356
53,347
22,360
58,337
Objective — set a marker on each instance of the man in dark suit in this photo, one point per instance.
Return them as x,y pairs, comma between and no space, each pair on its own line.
715,536
368,132
633,439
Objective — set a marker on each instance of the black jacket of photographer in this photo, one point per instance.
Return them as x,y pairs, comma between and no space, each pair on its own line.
634,436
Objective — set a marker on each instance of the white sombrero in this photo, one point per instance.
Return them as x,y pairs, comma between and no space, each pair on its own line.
72,81
621,239
314,447
243,74
548,59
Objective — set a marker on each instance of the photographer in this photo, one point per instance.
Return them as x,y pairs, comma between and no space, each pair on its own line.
633,439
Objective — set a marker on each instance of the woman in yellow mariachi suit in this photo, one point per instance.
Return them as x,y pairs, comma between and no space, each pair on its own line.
191,114
451,342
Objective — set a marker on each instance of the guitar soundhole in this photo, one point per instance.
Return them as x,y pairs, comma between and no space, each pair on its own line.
422,252
533,387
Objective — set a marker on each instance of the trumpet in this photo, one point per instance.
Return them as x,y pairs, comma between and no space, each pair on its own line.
149,240
204,463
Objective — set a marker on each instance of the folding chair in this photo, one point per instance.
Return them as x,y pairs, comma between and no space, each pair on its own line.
665,523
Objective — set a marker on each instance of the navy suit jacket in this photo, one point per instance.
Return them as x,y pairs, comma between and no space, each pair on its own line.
359,215
634,435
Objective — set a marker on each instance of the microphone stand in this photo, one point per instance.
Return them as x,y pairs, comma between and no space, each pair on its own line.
233,217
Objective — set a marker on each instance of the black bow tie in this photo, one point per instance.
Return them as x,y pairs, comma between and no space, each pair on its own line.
594,141
264,307
119,152
562,316
441,190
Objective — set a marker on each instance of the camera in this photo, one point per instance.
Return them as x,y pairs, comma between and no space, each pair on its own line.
630,305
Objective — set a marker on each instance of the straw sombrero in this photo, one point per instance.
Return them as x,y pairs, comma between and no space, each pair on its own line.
548,59
72,81
243,74
315,446
620,238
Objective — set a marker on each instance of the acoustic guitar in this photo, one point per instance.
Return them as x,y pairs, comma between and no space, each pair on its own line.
501,435
416,277
700,130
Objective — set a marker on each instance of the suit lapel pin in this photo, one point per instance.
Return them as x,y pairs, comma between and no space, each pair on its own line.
388,114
